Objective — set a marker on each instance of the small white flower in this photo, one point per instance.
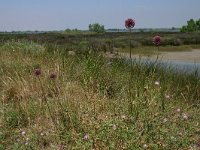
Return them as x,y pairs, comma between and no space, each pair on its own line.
145,146
185,116
114,127
41,134
23,133
167,96
165,120
109,63
123,117
86,137
157,83
146,87
180,134
173,138
178,110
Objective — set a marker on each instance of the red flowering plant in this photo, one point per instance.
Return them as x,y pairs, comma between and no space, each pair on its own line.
37,72
129,24
53,76
157,40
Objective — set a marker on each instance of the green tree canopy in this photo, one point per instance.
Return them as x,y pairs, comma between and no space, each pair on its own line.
96,27
192,26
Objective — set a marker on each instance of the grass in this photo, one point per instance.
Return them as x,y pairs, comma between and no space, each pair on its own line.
87,106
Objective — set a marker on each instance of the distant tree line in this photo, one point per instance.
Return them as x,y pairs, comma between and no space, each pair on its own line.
192,26
72,30
96,27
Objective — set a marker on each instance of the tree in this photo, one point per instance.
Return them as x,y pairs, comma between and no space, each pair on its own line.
96,27
184,29
192,26
198,24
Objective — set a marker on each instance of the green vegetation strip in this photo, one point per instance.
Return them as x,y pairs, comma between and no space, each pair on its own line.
82,102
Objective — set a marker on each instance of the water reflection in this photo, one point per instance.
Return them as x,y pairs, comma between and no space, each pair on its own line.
177,66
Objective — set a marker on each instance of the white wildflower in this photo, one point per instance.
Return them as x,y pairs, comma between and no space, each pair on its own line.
145,146
185,116
167,96
123,117
86,137
114,127
23,133
157,83
165,120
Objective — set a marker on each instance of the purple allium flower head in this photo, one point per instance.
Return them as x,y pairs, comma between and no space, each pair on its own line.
198,143
129,23
53,76
156,40
37,72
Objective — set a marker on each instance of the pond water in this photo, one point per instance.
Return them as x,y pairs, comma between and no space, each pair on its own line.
177,66
187,62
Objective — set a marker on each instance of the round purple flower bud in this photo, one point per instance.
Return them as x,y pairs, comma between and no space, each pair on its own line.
198,143
129,23
37,72
156,40
53,76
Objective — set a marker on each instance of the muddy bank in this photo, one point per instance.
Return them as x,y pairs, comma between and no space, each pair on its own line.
186,56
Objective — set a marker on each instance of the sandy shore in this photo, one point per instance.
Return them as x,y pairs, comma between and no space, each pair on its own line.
186,56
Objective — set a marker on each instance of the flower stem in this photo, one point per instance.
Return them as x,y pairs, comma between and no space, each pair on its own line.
131,75
45,100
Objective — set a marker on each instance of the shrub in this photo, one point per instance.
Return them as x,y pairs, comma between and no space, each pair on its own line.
96,27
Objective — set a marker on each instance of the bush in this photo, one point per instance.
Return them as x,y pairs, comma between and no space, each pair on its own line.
26,47
177,42
96,27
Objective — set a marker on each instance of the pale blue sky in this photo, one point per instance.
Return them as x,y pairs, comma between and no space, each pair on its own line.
62,14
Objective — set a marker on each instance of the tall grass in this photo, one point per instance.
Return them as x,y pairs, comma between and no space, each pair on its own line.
87,104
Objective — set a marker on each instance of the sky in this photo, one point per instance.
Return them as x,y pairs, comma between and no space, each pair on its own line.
47,15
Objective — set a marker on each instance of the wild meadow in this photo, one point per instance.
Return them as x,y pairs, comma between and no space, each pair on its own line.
52,99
